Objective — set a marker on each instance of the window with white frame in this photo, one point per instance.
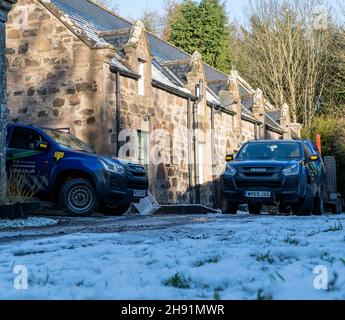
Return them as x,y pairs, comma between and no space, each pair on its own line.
143,138
141,81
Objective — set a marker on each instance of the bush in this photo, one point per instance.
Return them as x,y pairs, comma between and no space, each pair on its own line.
332,131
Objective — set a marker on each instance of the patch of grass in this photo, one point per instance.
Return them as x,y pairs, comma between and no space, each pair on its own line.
275,277
291,241
177,281
332,284
325,256
265,257
262,295
200,263
80,283
338,226
151,262
216,295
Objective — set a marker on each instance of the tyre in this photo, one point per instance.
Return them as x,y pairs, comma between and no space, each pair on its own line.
254,208
284,209
337,208
229,207
78,198
319,205
306,205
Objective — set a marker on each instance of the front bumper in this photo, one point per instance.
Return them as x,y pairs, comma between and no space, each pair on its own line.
124,188
284,189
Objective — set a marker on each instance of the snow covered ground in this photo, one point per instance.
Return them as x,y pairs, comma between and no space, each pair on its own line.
28,223
215,257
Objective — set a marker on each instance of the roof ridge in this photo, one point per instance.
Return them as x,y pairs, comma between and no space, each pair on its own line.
105,8
150,33
114,32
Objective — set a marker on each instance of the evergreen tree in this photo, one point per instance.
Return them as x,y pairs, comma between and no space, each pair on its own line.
203,27
214,34
184,31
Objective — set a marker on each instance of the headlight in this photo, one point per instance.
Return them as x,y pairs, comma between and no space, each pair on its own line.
230,170
112,167
292,170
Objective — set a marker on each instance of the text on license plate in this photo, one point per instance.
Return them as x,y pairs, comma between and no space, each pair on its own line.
140,193
258,194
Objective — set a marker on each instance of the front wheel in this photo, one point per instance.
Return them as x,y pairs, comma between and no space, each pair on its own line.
306,205
78,197
319,205
229,207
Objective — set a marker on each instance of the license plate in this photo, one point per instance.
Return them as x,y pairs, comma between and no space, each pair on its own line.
258,194
140,193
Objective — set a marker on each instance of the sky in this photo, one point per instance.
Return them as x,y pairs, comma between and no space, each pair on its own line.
134,8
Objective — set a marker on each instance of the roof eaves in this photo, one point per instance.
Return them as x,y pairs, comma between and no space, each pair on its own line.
274,129
92,42
173,90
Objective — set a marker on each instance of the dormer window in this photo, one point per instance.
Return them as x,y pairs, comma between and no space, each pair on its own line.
141,81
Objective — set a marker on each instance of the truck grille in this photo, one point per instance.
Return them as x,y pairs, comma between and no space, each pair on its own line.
257,185
138,185
136,170
260,171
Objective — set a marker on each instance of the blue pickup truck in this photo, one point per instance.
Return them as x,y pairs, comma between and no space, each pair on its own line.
290,174
71,174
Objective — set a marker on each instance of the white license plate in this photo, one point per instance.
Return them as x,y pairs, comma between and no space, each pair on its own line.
258,194
140,193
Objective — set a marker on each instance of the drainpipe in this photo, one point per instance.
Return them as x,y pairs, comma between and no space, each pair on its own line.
118,111
213,157
196,151
256,131
190,166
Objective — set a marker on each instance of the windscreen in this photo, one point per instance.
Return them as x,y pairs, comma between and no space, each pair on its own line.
68,141
270,151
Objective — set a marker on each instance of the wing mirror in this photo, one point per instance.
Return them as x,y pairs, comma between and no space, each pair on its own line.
42,146
229,158
314,158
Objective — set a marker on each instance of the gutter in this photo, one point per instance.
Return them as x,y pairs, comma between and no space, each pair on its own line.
274,129
172,90
125,73
250,119
222,109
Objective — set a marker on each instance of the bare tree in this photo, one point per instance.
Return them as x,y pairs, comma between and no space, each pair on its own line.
170,8
285,51
152,21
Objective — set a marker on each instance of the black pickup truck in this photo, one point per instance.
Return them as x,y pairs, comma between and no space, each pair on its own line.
290,174
71,174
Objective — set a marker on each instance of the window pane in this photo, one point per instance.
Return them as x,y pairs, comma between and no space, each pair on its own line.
143,148
141,81
23,138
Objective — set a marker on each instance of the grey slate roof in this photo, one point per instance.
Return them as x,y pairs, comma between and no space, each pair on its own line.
87,12
95,20
275,115
272,123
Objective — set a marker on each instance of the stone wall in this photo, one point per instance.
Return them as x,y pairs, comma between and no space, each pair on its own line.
164,114
54,78
57,79
271,135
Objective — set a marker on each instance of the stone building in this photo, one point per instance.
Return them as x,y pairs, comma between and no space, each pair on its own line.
74,64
